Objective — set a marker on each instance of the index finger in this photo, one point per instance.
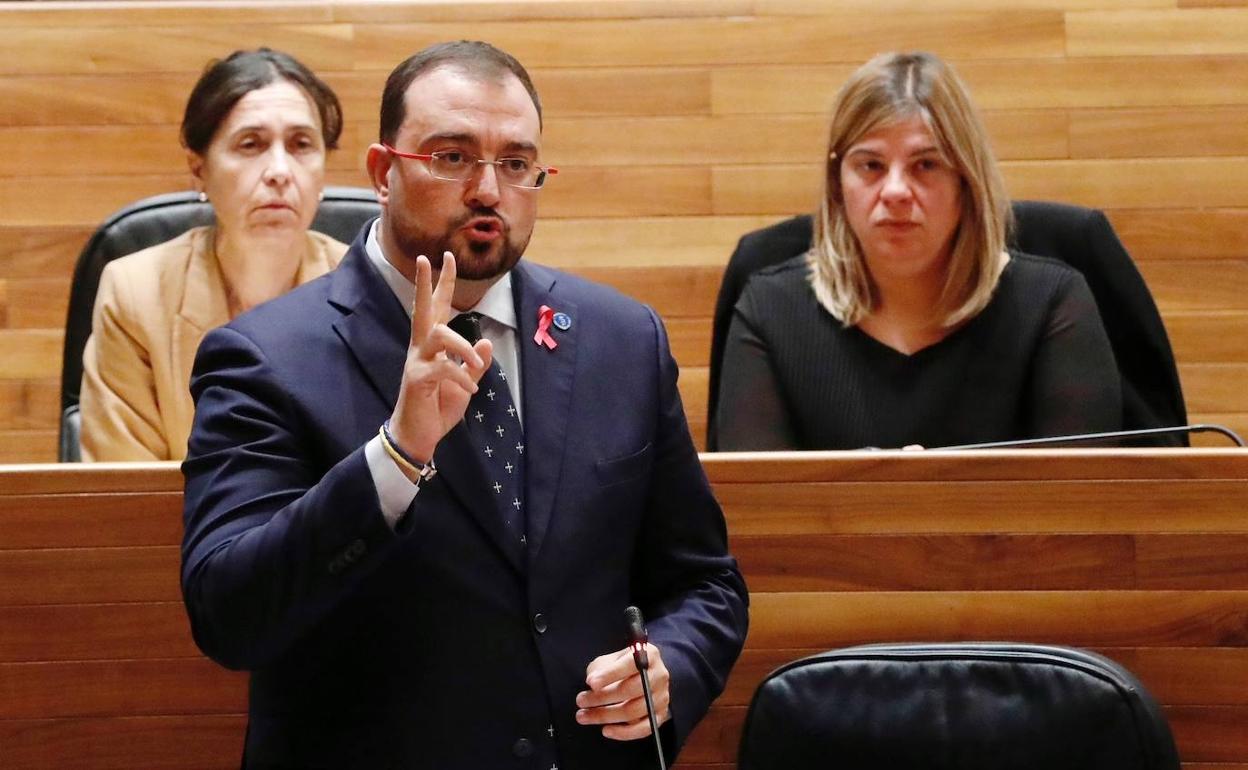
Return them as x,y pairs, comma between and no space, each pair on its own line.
444,292
609,668
422,317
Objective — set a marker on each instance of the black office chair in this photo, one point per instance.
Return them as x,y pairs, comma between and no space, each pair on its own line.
147,222
969,706
1152,396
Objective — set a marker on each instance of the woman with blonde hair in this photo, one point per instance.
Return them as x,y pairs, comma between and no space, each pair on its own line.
909,322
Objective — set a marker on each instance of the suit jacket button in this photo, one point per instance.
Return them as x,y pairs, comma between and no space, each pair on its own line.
539,623
522,748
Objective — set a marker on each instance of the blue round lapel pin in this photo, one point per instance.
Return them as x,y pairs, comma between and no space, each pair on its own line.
562,321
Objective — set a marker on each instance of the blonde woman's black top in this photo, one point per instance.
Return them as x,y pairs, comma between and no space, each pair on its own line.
1035,362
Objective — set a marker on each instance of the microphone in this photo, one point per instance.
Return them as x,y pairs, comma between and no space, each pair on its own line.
1109,436
637,638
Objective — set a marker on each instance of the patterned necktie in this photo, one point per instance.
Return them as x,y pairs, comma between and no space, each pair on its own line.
494,427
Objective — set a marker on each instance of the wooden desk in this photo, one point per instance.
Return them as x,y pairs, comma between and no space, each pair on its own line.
1141,555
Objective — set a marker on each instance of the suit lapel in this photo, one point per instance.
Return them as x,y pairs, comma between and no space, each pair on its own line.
203,307
547,377
373,324
377,331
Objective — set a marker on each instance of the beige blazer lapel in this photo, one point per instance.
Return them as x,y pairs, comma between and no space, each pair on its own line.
203,307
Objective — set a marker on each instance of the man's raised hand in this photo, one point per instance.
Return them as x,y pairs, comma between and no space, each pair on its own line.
436,386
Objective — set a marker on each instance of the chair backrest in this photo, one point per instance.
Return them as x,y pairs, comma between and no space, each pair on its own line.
1082,238
968,706
148,222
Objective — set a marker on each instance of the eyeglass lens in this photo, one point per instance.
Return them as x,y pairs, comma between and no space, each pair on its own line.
458,166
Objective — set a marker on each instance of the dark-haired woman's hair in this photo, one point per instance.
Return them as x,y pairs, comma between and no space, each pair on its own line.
227,80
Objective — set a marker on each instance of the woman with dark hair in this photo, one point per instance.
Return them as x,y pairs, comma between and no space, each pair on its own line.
909,322
256,130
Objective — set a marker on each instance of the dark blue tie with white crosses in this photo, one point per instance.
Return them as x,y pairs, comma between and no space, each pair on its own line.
494,427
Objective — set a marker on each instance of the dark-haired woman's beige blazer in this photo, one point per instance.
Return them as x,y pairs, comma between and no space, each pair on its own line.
152,310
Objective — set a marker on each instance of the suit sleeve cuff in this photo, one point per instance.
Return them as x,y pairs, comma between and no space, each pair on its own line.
394,491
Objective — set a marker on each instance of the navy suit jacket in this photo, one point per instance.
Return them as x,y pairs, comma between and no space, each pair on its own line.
442,645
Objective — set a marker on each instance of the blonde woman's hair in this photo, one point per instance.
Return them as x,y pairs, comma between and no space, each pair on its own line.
890,88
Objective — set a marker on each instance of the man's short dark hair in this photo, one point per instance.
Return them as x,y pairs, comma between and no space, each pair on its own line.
227,80
473,57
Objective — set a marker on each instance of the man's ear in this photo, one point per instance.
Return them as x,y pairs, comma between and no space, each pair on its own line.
378,162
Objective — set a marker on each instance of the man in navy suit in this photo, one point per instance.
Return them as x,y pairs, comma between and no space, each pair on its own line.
421,545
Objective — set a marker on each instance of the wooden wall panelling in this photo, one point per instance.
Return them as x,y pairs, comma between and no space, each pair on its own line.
81,50
758,139
100,632
690,339
61,150
733,41
28,446
1182,233
685,292
1158,132
260,11
641,242
41,252
1133,183
1209,733
204,742
1215,387
819,7
121,574
1213,3
30,353
111,687
1197,285
530,10
1159,80
93,13
39,303
28,404
92,100
953,562
114,520
1140,33
1215,336
565,92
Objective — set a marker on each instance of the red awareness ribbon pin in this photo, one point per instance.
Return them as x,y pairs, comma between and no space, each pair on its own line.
544,316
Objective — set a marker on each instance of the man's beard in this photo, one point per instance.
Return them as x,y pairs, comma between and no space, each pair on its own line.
475,261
